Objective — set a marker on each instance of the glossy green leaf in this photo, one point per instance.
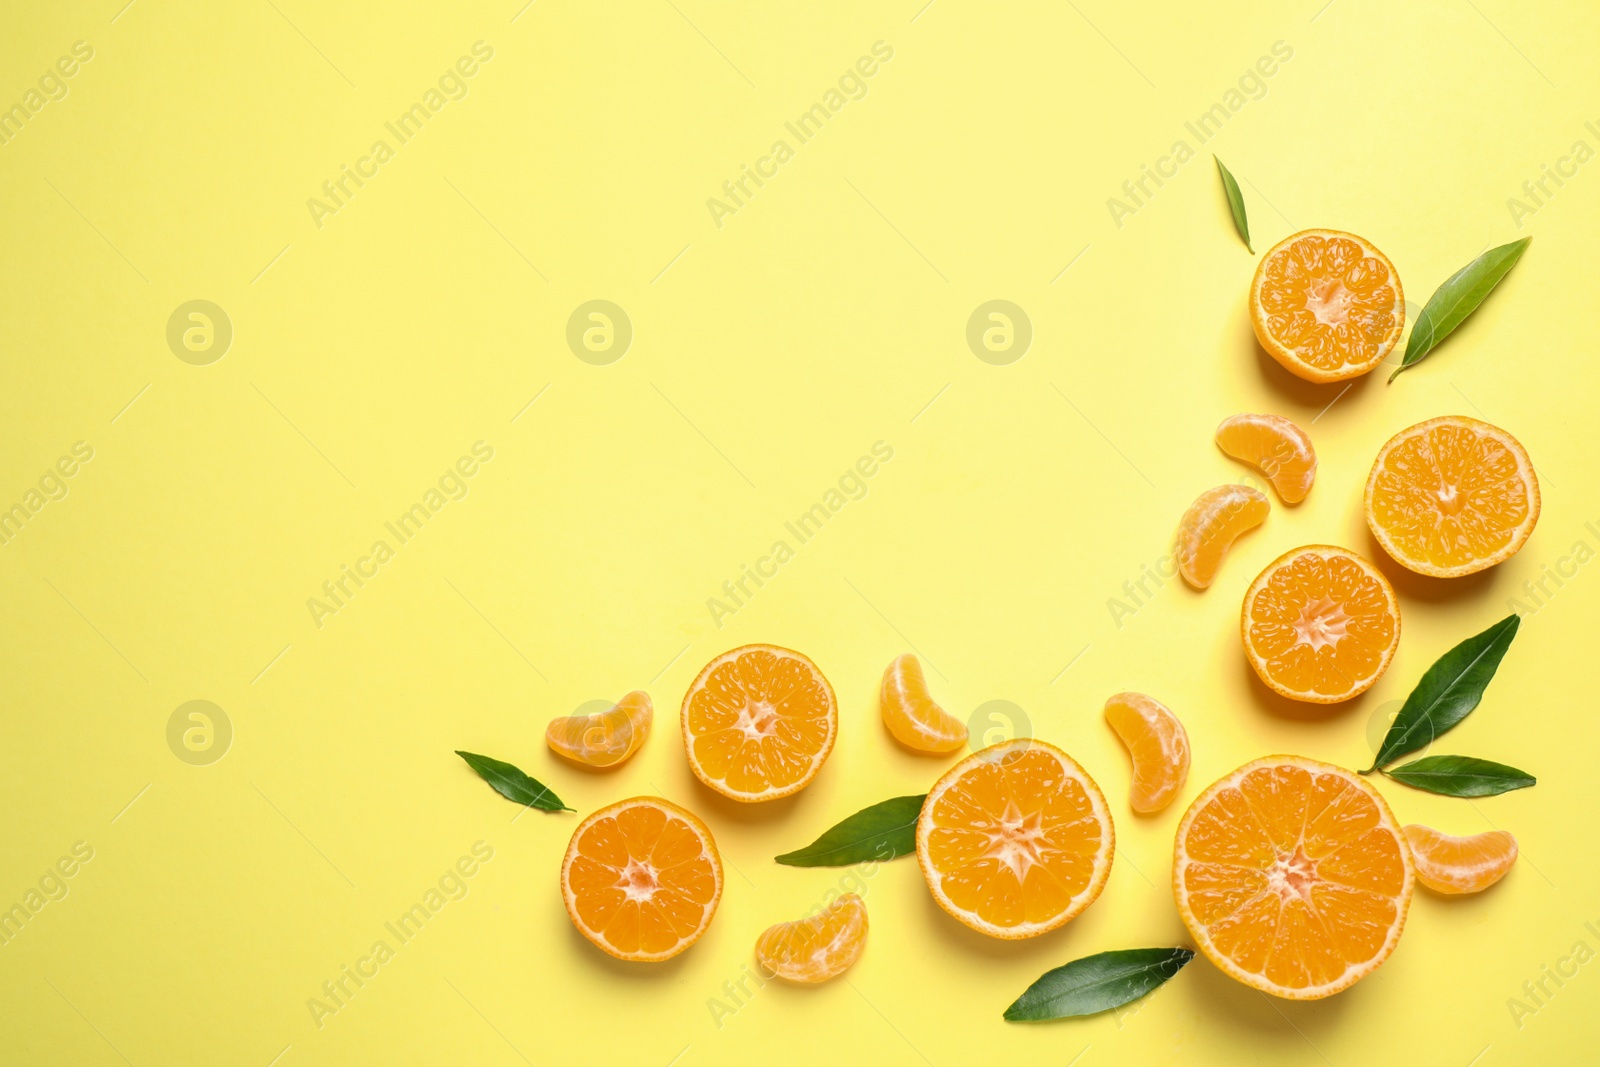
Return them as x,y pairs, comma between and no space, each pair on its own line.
881,832
1461,776
1097,983
509,781
1449,690
1235,204
1457,298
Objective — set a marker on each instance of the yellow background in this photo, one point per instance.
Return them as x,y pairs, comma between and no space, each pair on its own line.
827,314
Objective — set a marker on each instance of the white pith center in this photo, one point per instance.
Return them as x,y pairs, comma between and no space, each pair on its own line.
1329,302
1322,624
1450,501
1291,876
638,881
757,719
1017,840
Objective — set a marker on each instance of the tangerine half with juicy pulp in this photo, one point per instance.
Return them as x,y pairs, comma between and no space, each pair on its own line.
759,722
1293,877
642,879
1456,865
1015,840
1274,446
1211,525
1320,624
1158,745
1327,305
910,713
818,947
604,739
1452,496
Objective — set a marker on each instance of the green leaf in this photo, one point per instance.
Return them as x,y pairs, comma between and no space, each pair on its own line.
881,832
1461,776
1457,298
509,781
1235,204
1449,690
1097,983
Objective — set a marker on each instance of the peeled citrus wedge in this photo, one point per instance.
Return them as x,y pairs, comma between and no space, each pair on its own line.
819,947
1327,305
605,739
642,879
1210,526
910,713
1015,840
1158,745
1320,624
1452,496
1456,865
1276,447
759,722
1293,877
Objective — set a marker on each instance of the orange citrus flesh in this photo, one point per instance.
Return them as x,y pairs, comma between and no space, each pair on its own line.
1274,446
1320,624
1452,496
1015,840
910,713
1457,865
605,739
642,879
819,947
1210,526
1293,877
1327,305
1158,745
758,723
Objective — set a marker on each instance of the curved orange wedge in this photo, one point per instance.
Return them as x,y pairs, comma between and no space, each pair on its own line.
1210,526
910,713
604,739
820,946
1456,865
1276,447
1158,745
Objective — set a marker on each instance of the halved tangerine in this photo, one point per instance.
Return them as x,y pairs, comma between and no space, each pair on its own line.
1274,446
1211,525
1158,745
606,738
818,947
642,879
910,713
1293,877
758,723
1455,865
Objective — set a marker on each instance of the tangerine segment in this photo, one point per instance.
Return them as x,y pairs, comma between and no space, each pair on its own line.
1320,624
910,713
1452,496
1015,840
1327,305
1210,526
758,723
606,738
819,947
1158,745
1293,877
1456,865
642,879
1274,446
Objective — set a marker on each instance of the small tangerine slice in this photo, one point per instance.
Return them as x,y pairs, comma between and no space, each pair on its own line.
821,946
1327,305
910,713
758,723
604,739
1158,745
1320,624
1274,446
1016,840
1456,865
1211,525
642,879
1452,496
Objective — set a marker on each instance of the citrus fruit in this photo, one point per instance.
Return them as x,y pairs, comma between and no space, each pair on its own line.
910,713
1210,526
758,723
1327,305
1320,624
641,879
1158,745
604,739
1015,840
1456,865
1452,496
1274,446
1293,877
818,947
